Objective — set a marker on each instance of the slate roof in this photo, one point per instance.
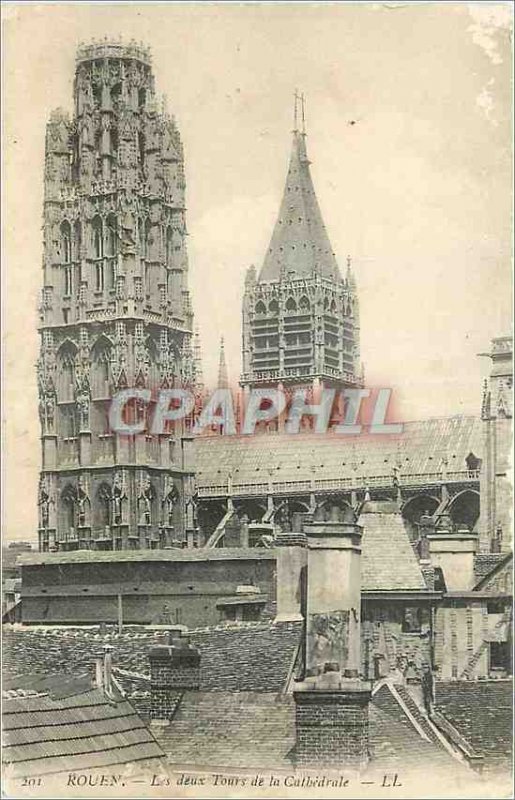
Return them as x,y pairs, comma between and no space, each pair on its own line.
247,656
487,563
419,450
174,554
56,724
299,243
257,730
396,741
482,712
388,562
231,729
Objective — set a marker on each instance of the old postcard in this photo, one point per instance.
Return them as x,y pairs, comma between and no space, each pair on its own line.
257,395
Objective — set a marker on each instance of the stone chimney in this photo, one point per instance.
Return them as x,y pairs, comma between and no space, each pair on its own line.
454,553
292,559
332,701
426,527
174,668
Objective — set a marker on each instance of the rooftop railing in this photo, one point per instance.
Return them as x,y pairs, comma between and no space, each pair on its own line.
341,483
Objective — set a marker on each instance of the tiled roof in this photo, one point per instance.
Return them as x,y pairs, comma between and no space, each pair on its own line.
419,450
69,725
485,563
231,729
257,730
388,562
394,738
482,712
251,656
299,243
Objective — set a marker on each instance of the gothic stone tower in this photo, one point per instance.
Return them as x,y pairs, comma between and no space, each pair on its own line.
497,416
300,317
115,310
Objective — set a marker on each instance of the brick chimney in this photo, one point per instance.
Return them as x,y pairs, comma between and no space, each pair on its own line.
332,701
174,668
454,553
292,559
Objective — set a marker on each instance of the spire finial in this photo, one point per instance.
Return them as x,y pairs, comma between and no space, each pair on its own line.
197,356
303,112
296,98
223,378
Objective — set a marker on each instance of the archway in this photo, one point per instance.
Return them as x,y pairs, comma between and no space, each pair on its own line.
252,508
68,515
464,509
210,514
414,508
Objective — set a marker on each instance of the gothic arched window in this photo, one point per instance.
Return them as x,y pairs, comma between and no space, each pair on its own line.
68,280
148,237
66,243
69,508
101,359
141,148
111,236
291,305
103,506
273,306
260,307
97,95
169,246
144,237
113,141
98,238
77,240
99,276
304,303
66,373
116,92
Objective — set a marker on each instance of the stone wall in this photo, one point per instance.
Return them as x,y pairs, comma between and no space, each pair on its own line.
153,592
463,630
386,646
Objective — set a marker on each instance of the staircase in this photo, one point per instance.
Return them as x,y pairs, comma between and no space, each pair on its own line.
472,662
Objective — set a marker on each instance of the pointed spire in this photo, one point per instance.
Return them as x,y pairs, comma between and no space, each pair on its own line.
296,99
197,357
349,276
223,378
299,244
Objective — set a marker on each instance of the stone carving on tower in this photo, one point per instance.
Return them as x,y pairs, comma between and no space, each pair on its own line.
115,310
300,316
